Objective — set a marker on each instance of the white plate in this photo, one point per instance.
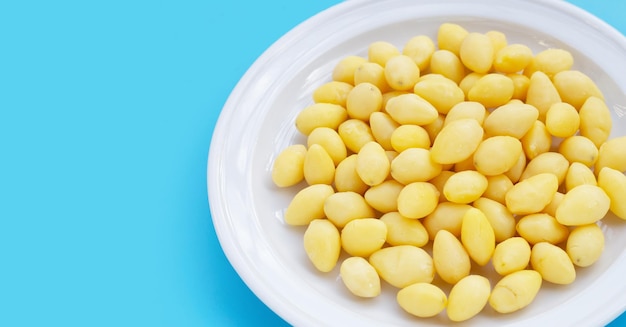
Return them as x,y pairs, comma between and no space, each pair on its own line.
257,122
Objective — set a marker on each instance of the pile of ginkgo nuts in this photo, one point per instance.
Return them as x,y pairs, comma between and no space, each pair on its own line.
429,161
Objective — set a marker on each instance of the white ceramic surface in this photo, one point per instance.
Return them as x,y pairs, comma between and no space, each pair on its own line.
257,122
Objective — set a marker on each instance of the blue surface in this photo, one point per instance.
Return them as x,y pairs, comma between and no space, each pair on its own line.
106,115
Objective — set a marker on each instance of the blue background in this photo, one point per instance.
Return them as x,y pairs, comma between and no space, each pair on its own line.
106,115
